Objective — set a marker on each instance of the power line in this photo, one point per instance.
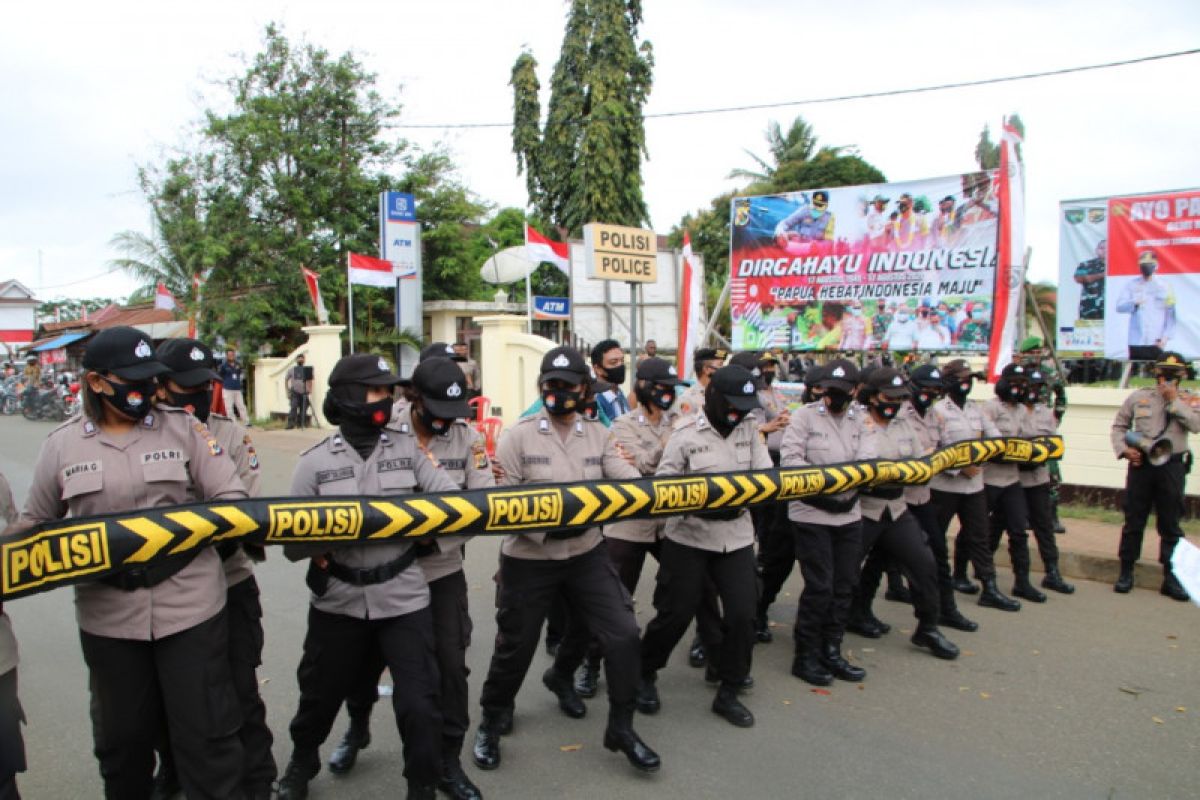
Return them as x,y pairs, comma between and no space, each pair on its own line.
81,280
835,98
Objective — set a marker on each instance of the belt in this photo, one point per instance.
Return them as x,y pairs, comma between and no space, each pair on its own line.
723,514
366,576
883,492
150,575
567,533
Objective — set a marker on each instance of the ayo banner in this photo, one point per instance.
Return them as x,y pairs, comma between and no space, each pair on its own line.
70,551
1153,273
898,266
1082,251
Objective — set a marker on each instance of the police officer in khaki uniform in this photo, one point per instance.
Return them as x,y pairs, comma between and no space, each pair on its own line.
1161,412
556,444
888,525
960,492
366,596
827,529
705,361
155,638
12,745
1036,482
718,545
188,385
435,409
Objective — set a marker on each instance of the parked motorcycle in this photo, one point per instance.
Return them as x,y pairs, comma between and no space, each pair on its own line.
43,402
10,395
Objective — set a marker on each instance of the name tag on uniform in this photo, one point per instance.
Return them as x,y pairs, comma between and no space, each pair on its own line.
535,460
331,475
83,467
158,456
593,461
701,449
454,463
393,464
742,443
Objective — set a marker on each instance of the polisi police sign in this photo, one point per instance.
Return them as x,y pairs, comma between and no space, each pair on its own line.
615,253
53,556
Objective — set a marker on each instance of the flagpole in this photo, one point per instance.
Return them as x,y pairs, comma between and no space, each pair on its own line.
528,285
350,302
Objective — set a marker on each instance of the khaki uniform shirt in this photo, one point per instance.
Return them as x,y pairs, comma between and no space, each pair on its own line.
691,401
918,494
893,441
235,441
953,425
397,465
1146,412
1039,421
8,642
816,437
695,448
773,405
645,441
1009,419
462,454
532,452
167,459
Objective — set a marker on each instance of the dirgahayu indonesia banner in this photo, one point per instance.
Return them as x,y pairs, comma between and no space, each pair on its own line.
898,266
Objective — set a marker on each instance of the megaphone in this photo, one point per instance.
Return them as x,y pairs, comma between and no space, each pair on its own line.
1157,451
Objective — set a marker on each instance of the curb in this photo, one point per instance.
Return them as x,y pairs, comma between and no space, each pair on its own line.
1093,567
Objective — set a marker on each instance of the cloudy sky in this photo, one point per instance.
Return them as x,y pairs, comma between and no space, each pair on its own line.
91,90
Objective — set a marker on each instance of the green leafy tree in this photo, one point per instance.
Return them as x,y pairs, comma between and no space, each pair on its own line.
987,152
796,145
584,165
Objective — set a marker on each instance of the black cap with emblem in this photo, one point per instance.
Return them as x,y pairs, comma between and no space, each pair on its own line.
839,374
889,383
926,376
736,385
125,352
564,364
190,361
364,368
436,350
750,360
657,370
443,388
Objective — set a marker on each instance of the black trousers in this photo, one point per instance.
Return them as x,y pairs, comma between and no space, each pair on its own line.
678,592
971,510
452,636
1040,502
12,745
335,649
829,557
1160,488
902,542
183,680
776,551
593,591
298,409
1007,513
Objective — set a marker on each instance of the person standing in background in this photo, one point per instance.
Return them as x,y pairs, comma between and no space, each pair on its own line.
469,367
608,363
233,379
299,388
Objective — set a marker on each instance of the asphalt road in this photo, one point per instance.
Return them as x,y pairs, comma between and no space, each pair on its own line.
1093,695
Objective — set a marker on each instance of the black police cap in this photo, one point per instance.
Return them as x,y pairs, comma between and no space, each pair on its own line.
709,354
749,360
657,370
889,382
365,368
927,376
125,352
190,361
436,350
443,388
736,385
564,364
1015,371
839,374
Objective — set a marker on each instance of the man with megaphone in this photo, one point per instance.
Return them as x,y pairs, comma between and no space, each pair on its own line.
1150,432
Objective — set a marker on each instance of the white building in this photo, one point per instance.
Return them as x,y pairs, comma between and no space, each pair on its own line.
17,307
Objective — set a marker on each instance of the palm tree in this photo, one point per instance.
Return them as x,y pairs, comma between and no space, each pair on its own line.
798,144
150,260
1043,298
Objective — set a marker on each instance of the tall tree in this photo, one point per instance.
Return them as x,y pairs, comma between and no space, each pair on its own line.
987,152
584,164
797,145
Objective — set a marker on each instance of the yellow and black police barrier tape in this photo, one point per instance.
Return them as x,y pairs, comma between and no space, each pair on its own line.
71,551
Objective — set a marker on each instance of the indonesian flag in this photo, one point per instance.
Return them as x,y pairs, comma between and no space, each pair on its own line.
1010,273
691,298
368,271
313,281
538,249
163,298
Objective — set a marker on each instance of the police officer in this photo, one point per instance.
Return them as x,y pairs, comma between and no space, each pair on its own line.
12,745
1148,415
960,492
155,639
827,528
887,524
706,361
1054,393
1035,481
188,385
555,445
366,596
435,409
718,544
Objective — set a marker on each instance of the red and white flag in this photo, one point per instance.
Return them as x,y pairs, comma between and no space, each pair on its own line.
368,271
538,249
313,281
163,298
691,300
1010,270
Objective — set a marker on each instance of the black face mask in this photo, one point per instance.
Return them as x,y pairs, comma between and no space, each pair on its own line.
722,416
366,415
198,403
433,423
590,410
836,400
1016,392
615,375
561,401
888,409
130,399
923,400
662,397
1147,270
1031,397
768,378
958,392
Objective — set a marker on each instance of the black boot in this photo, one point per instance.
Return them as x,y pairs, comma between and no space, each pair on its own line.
302,768
762,629
1054,581
587,677
562,686
454,782
1124,584
358,737
619,735
727,705
864,622
964,584
1171,587
421,791
991,597
950,616
712,674
166,779
492,724
831,657
928,636
647,695
807,667
896,592
696,654
1024,589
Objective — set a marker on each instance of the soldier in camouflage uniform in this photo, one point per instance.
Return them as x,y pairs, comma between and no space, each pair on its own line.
1090,277
1054,394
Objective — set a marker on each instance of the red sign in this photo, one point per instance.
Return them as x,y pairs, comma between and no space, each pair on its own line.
1163,229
